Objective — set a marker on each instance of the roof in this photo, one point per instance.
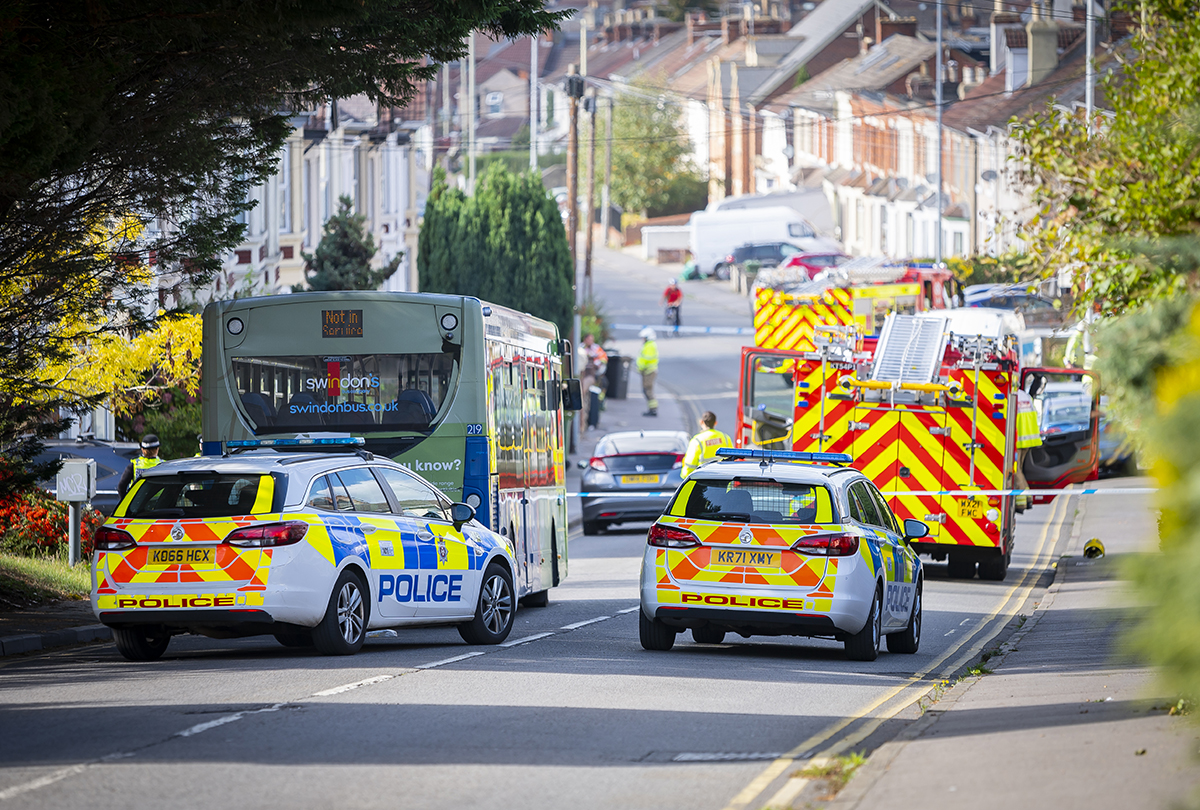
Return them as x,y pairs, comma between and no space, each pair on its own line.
791,471
264,460
882,65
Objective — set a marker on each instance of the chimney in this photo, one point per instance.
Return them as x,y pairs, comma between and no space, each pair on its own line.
887,26
751,51
1001,21
1043,46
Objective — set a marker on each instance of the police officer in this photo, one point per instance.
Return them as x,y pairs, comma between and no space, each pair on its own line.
704,445
147,459
647,365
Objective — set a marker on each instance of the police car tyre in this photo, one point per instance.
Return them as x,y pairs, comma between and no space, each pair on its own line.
864,645
141,643
654,634
294,638
908,640
995,569
495,610
958,568
344,626
707,635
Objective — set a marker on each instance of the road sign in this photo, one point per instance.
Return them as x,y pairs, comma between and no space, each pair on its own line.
76,480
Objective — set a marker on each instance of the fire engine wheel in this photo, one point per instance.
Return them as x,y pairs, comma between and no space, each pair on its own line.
864,645
995,569
654,634
707,635
908,640
141,643
959,568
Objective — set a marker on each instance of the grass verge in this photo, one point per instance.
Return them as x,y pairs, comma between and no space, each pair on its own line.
835,773
29,581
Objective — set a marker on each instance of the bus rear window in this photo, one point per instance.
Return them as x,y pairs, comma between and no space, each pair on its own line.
363,392
758,501
201,496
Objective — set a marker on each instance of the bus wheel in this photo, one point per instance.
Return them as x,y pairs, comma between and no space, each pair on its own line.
554,577
141,643
495,609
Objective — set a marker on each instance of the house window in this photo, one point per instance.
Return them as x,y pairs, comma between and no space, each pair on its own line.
860,216
494,102
958,243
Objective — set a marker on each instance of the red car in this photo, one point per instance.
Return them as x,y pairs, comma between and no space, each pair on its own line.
815,263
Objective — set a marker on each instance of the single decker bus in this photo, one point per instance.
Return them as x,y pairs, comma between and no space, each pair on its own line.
469,395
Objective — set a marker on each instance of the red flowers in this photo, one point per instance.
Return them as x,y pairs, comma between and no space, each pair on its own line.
33,523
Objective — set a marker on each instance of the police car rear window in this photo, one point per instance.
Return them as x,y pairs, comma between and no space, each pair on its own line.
201,496
756,501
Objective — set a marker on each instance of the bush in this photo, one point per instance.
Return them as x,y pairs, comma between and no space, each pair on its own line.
34,524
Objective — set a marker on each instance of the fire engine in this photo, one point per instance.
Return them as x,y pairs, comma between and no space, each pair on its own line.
929,407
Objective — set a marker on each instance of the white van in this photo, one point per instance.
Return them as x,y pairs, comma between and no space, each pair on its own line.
715,234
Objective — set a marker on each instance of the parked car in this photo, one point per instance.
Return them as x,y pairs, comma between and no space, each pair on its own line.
816,263
111,460
1038,312
715,234
630,477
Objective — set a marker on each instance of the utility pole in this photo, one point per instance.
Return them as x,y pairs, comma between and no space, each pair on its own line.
471,117
939,82
534,97
583,43
589,104
604,200
574,92
446,100
1090,71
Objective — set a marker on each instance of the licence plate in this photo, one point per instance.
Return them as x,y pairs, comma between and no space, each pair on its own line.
185,556
760,559
972,509
639,479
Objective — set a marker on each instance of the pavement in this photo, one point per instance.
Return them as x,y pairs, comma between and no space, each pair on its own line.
1065,718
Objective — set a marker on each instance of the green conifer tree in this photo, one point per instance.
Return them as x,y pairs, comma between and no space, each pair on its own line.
342,260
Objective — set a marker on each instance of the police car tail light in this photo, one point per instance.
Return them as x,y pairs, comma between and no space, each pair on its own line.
110,539
598,464
828,545
668,537
268,535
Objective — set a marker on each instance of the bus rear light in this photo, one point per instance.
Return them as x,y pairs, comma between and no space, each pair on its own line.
827,545
670,537
268,535
110,539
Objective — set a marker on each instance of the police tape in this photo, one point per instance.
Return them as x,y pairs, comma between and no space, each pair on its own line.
690,330
1103,491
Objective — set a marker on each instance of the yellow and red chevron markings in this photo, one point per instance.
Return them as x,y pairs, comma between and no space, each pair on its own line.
783,321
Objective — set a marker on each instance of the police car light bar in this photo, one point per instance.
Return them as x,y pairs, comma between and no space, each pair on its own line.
785,455
347,441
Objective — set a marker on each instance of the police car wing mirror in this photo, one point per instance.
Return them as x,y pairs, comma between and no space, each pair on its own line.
461,513
915,529
572,398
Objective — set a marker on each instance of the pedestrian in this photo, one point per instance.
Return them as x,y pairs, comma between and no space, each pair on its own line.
704,445
647,365
145,460
1029,435
595,364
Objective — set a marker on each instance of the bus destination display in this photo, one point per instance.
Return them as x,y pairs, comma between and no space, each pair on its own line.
339,323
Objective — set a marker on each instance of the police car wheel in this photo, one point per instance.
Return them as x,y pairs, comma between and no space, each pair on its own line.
707,635
654,634
908,640
294,638
344,626
141,643
864,645
495,609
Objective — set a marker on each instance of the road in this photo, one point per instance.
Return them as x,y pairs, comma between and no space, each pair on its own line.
571,712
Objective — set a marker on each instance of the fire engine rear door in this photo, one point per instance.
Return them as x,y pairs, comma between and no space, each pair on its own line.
767,399
1067,402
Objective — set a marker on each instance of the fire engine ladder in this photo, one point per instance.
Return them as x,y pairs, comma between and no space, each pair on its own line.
910,349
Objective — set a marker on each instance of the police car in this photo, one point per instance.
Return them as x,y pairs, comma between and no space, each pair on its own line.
314,546
758,544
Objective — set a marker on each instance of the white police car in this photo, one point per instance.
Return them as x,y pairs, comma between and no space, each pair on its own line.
759,544
314,547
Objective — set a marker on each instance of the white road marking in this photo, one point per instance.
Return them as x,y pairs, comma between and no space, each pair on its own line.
723,756
964,621
42,781
525,640
585,623
233,718
952,632
446,661
350,687
629,610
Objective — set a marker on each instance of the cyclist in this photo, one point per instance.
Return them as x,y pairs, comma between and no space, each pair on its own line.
672,298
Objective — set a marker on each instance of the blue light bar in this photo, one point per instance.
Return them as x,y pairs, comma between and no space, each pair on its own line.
348,441
785,455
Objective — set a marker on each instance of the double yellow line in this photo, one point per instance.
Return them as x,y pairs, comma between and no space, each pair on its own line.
916,686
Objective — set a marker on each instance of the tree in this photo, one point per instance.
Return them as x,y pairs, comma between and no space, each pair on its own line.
1115,200
505,244
119,115
343,257
649,150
